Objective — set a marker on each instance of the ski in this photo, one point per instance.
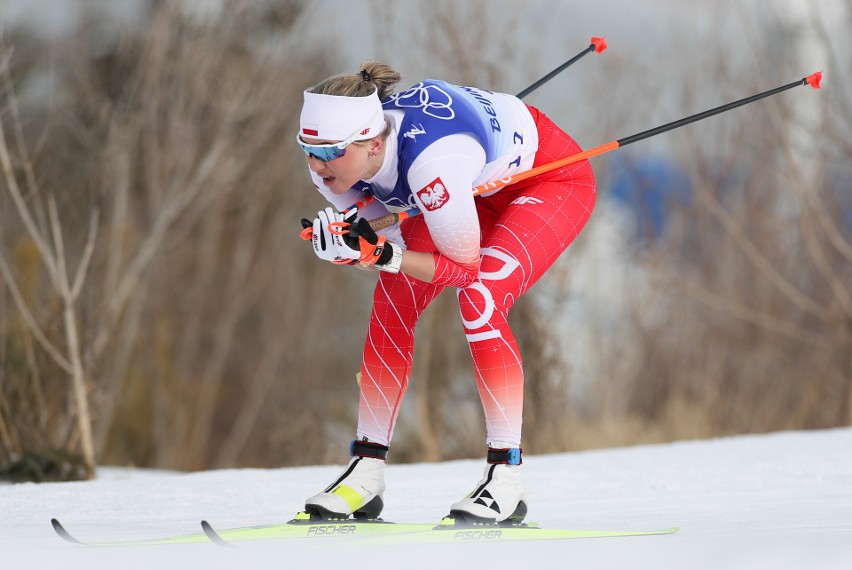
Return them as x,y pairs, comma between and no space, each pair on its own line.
508,534
198,537
263,532
316,529
405,533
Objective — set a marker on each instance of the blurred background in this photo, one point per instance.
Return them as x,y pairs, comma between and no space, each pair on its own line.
158,309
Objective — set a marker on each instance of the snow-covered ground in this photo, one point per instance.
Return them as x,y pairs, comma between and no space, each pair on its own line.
775,501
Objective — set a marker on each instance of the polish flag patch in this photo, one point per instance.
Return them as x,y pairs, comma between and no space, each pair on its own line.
434,195
310,130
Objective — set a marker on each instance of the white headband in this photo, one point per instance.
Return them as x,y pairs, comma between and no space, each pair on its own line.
337,118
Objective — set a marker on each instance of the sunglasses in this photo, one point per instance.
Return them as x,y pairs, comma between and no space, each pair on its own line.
330,151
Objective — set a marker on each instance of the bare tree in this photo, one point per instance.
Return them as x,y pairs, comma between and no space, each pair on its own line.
746,326
65,282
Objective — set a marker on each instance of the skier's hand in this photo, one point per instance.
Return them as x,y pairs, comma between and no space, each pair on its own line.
326,239
371,248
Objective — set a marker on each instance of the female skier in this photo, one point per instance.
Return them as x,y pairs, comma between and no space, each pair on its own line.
427,147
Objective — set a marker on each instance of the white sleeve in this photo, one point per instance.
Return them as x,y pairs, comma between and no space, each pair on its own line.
441,179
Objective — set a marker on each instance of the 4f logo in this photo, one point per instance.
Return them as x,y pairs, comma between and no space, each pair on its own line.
434,195
520,200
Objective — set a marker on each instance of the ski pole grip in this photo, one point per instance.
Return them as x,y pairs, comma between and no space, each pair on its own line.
384,222
307,229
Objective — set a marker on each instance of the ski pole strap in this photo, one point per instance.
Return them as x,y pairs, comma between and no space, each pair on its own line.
508,456
368,449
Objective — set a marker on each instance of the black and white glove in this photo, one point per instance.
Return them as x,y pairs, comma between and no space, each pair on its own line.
326,239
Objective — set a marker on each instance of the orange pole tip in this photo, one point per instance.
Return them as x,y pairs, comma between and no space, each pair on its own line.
814,79
599,43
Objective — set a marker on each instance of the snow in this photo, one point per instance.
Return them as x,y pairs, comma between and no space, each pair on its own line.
781,501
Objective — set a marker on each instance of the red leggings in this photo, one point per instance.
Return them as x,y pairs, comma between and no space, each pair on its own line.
525,227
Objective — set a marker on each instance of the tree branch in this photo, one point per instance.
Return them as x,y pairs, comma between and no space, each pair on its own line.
30,321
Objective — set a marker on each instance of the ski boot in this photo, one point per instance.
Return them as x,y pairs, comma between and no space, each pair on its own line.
498,499
357,493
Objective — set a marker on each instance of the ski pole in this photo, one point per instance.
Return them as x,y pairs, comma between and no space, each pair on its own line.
812,80
598,45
